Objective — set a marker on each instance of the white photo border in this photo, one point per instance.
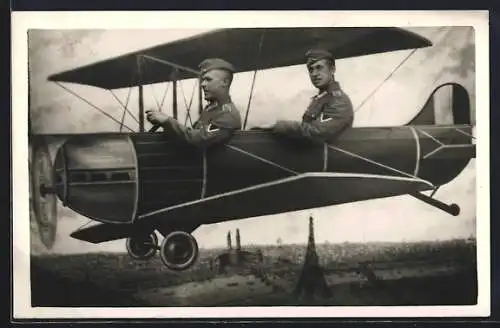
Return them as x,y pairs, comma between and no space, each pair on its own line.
23,21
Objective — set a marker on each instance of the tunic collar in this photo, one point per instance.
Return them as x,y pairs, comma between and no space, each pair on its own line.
332,87
216,103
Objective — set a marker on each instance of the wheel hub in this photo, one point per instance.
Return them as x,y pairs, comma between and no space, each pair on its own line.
142,247
179,251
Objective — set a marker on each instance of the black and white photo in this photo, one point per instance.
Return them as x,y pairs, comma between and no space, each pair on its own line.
310,161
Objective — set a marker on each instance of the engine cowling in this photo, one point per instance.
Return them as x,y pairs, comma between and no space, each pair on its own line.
96,176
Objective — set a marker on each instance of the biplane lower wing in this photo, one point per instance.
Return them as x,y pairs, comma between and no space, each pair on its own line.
289,194
103,232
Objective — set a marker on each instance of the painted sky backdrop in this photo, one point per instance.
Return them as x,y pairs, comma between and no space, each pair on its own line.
278,93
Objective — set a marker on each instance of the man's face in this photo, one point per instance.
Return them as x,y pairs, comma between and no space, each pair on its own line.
321,73
214,83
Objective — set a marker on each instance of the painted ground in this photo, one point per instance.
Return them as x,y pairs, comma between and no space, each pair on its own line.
439,273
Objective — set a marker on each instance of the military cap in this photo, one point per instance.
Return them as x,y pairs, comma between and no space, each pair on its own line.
215,63
314,55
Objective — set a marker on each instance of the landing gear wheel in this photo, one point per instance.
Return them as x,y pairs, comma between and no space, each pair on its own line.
179,251
43,197
142,247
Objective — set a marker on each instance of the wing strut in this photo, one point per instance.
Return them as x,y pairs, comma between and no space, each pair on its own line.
200,100
188,107
174,77
160,104
174,92
141,94
389,76
124,106
385,80
253,78
92,105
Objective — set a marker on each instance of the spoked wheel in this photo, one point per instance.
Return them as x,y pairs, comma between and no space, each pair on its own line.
43,196
142,247
179,251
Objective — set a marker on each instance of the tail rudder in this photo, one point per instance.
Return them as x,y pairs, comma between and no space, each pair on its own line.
445,134
448,104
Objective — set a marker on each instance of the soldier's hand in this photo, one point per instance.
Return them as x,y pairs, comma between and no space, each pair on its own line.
156,117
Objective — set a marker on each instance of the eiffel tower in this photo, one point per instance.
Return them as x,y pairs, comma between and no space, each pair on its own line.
312,280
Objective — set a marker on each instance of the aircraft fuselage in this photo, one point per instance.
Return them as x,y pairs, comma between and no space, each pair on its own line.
120,178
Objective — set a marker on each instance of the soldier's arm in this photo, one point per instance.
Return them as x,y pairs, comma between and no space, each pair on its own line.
220,129
336,116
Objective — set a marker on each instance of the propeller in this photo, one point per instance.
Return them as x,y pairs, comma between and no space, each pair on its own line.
43,197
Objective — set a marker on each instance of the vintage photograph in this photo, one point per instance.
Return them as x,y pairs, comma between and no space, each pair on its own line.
250,167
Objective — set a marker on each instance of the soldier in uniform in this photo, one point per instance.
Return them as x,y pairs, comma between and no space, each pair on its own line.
330,111
219,119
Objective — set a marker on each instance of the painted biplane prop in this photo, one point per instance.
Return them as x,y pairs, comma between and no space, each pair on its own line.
142,182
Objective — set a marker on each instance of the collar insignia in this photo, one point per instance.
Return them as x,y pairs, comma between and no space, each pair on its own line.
322,118
226,108
212,128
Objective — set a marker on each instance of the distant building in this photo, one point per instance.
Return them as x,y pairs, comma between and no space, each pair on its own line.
229,244
236,258
238,241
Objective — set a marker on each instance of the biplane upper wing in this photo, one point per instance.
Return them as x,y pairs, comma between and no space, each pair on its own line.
309,190
248,49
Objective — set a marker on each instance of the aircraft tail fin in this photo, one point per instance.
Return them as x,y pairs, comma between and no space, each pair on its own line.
448,104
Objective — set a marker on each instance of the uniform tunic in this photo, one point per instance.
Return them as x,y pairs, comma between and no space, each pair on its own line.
217,123
328,114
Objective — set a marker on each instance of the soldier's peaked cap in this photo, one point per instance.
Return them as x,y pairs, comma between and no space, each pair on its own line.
316,54
215,63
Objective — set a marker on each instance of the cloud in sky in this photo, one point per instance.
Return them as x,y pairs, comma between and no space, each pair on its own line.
279,93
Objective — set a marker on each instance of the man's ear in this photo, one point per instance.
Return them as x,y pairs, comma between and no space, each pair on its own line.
228,79
333,68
